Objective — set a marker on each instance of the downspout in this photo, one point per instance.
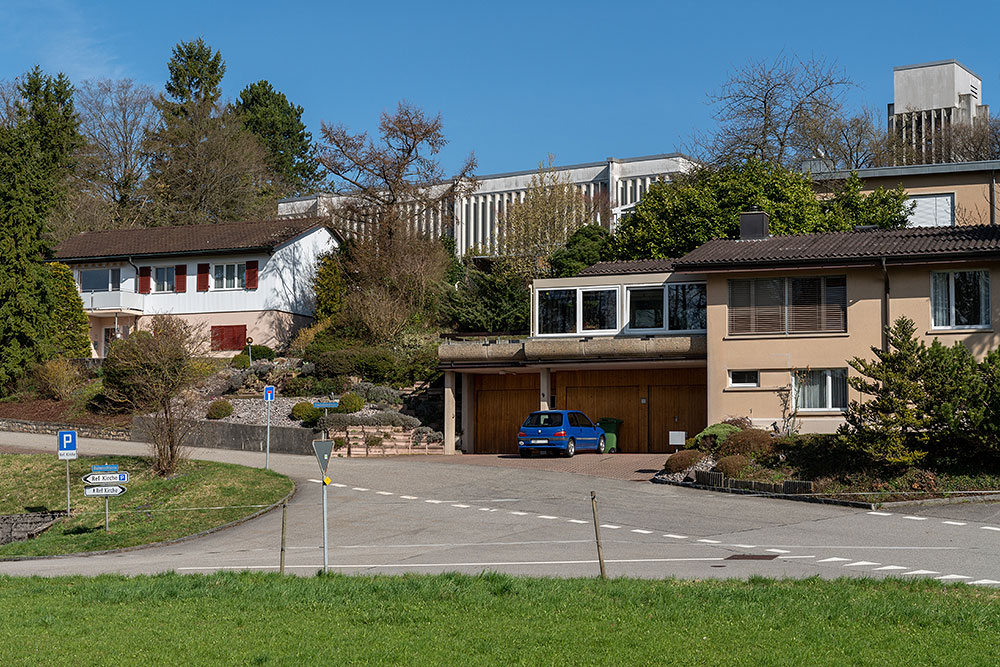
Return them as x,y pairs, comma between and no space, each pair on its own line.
885,307
993,197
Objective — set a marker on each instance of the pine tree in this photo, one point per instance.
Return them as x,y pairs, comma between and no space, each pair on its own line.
71,336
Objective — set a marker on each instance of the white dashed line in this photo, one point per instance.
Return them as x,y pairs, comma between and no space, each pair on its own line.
576,521
860,563
359,488
484,509
916,518
777,551
984,581
316,481
461,506
517,513
751,546
989,528
952,576
641,531
409,497
546,516
881,513
955,523
835,559
890,567
786,557
339,486
434,502
384,493
610,525
710,541
920,572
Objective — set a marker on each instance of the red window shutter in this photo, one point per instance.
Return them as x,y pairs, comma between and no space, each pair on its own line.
203,277
180,278
239,336
251,275
144,273
218,338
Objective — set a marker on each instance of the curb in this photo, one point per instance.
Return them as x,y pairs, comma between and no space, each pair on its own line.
948,500
778,496
177,540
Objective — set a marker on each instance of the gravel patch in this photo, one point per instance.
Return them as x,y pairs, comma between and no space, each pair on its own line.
706,463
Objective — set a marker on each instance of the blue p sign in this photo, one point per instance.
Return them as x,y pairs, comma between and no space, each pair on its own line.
269,393
67,445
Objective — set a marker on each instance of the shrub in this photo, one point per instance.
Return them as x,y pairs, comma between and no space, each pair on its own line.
377,365
219,409
304,412
426,434
373,441
690,443
307,368
713,436
378,394
751,442
350,403
339,421
331,385
299,386
742,423
240,361
334,362
259,352
682,460
58,379
732,466
339,443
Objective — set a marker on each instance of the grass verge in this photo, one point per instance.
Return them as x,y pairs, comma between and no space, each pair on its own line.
246,618
153,510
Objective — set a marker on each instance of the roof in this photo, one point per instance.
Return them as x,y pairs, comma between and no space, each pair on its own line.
186,240
910,170
629,267
845,248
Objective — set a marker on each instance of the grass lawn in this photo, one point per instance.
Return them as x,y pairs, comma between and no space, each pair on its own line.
37,482
244,618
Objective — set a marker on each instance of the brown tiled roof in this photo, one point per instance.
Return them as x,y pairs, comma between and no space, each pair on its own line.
625,268
844,248
189,239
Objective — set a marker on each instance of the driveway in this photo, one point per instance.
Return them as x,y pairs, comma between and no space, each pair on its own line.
466,514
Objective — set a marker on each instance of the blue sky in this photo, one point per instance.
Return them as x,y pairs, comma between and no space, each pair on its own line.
514,81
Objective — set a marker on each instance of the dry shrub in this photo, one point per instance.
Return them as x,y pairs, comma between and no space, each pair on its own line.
305,336
742,423
732,466
58,379
751,442
683,460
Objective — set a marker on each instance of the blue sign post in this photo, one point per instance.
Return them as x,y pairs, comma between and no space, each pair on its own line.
67,452
268,398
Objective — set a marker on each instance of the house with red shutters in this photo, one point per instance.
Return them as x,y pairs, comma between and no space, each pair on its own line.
231,280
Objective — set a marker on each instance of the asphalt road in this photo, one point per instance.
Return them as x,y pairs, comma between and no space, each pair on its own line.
420,514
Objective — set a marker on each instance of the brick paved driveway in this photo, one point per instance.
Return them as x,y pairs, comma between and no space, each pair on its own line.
628,467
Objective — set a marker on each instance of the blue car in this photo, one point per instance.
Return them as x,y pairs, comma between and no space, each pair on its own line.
563,431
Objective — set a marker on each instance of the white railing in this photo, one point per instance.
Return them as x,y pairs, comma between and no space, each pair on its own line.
113,301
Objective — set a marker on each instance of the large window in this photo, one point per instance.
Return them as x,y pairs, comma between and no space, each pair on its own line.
821,389
164,279
960,299
684,305
100,280
230,276
579,310
557,311
788,305
600,309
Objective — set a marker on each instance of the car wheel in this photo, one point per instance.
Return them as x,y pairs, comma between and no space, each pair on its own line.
570,448
525,453
600,445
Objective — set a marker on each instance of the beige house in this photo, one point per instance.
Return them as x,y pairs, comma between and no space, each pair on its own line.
785,314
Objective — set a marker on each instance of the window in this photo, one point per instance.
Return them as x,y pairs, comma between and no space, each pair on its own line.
600,310
164,279
544,419
577,310
557,311
960,299
821,389
684,305
744,378
788,305
100,280
932,211
230,276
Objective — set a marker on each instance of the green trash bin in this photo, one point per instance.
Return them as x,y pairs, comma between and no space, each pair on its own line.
610,426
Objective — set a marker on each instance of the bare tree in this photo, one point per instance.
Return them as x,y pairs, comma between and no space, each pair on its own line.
8,96
979,140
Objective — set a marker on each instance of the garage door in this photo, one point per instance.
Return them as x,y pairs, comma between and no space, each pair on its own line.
619,402
675,408
501,403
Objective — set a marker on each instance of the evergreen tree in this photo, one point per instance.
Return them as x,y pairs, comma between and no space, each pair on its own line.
195,73
71,335
329,287
277,123
587,246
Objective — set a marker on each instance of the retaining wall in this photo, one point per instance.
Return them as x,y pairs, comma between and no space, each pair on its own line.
17,527
99,432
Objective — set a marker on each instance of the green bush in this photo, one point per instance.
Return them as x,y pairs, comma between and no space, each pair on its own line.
300,385
377,365
339,422
219,409
240,361
304,412
713,436
259,352
350,403
331,385
682,460
732,466
752,443
378,394
374,441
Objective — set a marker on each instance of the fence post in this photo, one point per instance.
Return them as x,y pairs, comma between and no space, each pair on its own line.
597,533
284,522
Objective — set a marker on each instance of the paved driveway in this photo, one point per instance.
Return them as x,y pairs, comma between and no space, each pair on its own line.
466,514
626,467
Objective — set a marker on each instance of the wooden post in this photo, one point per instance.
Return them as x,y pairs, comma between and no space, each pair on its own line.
284,523
597,533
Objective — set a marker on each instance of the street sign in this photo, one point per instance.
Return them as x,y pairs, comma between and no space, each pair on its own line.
107,467
328,404
67,445
269,393
103,491
106,478
323,449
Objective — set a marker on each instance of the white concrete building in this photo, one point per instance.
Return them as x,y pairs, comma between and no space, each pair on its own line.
472,220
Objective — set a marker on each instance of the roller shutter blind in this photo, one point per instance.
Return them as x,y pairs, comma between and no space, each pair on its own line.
932,211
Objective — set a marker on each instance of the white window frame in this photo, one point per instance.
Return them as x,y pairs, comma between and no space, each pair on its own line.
744,385
211,277
153,283
828,376
112,286
627,312
951,297
579,290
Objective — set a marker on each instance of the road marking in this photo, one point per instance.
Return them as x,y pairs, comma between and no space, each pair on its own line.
339,486
881,513
988,528
384,493
434,502
676,537
517,513
576,520
835,559
955,523
890,567
796,557
953,576
409,498
316,481
546,516
916,518
486,509
984,581
777,551
359,488
641,531
860,563
610,525
461,506
484,564
752,546
710,541
920,572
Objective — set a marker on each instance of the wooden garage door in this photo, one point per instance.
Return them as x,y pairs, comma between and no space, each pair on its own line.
620,402
502,402
675,408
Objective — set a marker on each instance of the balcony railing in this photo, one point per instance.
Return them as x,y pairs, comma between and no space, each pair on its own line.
113,301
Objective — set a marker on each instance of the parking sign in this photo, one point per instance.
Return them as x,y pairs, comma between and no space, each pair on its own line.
67,445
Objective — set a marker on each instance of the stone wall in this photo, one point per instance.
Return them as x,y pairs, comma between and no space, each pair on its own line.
100,432
17,527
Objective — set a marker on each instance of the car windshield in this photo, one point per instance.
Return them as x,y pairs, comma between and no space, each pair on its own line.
544,419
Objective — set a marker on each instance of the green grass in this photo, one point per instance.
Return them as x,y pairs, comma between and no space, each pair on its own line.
243,618
37,482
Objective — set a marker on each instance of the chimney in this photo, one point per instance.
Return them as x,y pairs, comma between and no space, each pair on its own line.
753,226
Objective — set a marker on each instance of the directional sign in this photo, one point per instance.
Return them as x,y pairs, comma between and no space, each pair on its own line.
269,393
107,467
103,491
323,448
328,404
67,445
105,478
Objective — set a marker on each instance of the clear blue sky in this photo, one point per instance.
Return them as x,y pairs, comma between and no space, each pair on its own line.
514,81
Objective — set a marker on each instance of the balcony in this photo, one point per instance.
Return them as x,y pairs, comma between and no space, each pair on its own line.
113,303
